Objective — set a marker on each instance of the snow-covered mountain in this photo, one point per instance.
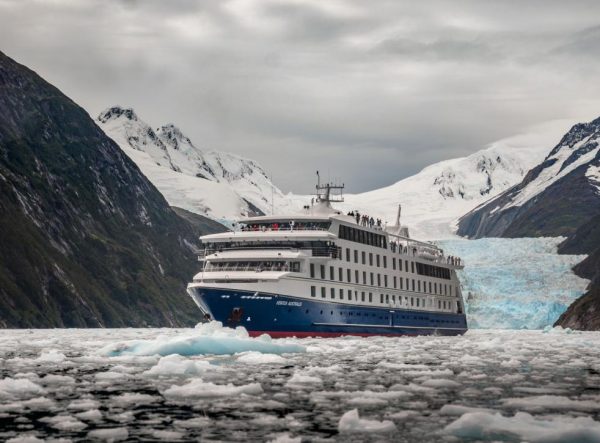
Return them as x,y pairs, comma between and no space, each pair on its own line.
556,196
217,184
433,199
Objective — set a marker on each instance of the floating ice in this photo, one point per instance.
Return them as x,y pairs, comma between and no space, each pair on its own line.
51,356
25,439
487,426
351,422
516,283
177,365
551,402
199,389
133,399
256,358
207,338
109,434
19,388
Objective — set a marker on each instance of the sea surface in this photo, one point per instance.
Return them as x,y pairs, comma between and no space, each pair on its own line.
216,384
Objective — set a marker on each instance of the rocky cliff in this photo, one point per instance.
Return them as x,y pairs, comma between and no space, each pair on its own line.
85,239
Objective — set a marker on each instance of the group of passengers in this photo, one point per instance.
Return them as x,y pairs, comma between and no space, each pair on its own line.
365,220
454,261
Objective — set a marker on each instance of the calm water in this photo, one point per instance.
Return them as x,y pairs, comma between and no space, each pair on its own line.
487,385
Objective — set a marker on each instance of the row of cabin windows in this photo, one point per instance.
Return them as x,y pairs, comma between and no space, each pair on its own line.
383,298
361,236
405,284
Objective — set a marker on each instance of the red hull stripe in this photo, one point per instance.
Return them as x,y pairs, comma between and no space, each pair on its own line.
286,334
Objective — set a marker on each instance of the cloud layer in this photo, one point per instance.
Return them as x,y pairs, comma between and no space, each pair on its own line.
367,91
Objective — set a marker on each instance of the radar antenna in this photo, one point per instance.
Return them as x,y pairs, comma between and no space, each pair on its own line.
324,192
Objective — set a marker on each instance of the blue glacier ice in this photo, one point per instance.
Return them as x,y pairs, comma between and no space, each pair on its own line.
515,283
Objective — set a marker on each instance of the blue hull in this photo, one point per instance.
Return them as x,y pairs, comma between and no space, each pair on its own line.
285,316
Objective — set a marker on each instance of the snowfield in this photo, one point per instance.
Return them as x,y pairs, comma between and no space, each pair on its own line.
490,385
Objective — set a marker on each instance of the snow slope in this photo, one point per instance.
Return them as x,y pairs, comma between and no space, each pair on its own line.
217,184
435,197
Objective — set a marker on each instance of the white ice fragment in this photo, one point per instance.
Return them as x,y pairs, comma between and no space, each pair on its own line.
299,380
11,388
255,358
165,435
440,383
351,422
286,438
197,388
460,410
26,438
177,365
91,415
192,423
487,426
53,379
551,402
83,404
133,399
64,423
206,338
109,434
51,356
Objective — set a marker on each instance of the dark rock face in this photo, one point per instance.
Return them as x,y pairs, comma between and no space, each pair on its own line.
559,209
85,239
584,313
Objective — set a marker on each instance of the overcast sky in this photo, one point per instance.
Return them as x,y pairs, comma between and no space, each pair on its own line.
369,91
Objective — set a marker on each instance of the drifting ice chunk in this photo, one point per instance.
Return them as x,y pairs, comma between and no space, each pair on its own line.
111,434
19,388
256,358
551,402
51,356
207,338
132,399
199,389
351,422
176,365
486,426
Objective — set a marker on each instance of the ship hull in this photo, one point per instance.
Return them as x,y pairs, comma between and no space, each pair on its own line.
280,315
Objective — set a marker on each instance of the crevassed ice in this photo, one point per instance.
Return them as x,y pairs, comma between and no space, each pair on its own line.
516,283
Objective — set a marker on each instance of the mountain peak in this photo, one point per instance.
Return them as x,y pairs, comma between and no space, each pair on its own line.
115,112
173,135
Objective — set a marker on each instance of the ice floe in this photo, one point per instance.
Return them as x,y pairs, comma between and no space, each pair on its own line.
351,422
197,388
206,338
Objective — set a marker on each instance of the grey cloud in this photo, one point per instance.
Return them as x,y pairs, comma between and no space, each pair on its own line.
371,92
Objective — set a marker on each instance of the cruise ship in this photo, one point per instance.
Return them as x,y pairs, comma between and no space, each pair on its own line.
325,274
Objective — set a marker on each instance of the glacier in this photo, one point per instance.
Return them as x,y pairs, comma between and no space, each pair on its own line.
515,283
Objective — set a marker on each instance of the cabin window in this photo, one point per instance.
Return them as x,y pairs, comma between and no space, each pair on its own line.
349,275
450,290
419,286
412,301
385,282
406,265
430,287
370,297
362,296
370,259
322,291
413,285
417,302
401,283
372,282
364,257
340,274
347,254
364,277
355,256
331,273
381,298
394,263
312,270
387,299
356,273
377,260
385,261
400,264
412,267
322,272
313,291
393,299
341,294
435,291
378,279
332,292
